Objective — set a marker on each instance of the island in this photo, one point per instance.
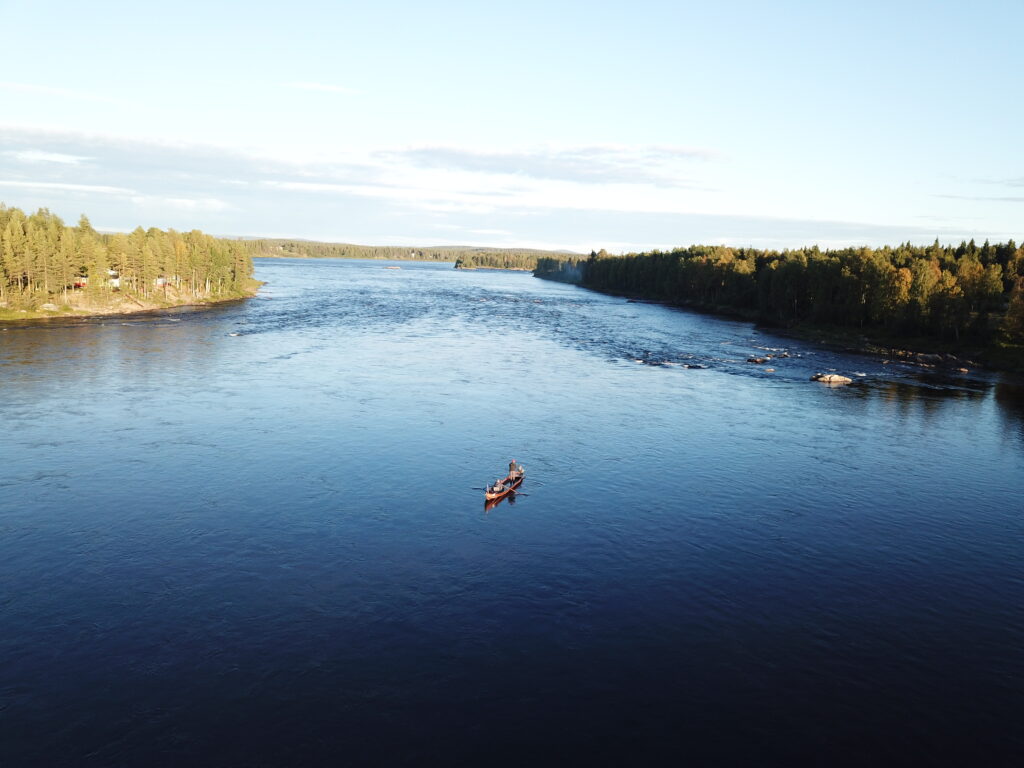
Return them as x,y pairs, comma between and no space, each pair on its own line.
50,269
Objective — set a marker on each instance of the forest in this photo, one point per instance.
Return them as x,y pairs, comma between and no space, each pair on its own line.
481,258
962,295
46,264
465,257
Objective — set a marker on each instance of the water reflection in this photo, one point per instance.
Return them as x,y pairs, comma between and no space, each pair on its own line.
931,396
511,497
144,351
1009,397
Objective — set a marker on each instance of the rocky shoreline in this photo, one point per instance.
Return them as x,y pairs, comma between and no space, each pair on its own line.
939,355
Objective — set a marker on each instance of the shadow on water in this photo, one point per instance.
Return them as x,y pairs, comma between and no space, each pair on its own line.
1009,396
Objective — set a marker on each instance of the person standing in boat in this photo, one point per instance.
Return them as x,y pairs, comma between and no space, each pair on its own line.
513,469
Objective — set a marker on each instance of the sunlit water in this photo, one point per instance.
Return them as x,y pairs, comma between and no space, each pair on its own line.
255,535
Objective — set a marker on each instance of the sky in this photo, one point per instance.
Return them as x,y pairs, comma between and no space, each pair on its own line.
576,125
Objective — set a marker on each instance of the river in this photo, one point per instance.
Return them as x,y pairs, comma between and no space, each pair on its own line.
254,534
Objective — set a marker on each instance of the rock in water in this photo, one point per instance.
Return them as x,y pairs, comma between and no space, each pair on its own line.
831,378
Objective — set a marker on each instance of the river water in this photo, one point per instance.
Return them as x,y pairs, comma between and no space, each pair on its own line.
254,535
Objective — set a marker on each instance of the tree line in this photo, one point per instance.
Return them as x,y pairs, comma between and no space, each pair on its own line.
964,293
465,257
499,259
43,260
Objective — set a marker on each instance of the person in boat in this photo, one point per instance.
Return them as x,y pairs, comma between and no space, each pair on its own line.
514,470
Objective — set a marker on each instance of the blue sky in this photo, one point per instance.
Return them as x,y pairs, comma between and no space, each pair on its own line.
559,124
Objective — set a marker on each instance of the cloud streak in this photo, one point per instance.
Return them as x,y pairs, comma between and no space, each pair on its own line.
64,187
37,156
667,166
985,198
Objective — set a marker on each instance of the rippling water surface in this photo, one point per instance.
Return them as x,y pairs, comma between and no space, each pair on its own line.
254,535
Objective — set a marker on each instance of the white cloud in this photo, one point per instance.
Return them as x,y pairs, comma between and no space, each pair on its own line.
99,188
664,165
182,203
443,190
324,87
37,156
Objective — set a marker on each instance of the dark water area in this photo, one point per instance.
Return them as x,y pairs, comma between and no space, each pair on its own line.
254,535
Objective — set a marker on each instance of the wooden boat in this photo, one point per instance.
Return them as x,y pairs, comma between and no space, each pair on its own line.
502,488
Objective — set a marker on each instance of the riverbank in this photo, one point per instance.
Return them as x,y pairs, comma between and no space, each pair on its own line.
927,353
80,304
923,351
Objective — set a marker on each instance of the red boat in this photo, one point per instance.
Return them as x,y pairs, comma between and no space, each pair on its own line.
502,488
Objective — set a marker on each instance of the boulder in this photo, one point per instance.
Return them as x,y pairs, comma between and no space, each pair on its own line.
831,378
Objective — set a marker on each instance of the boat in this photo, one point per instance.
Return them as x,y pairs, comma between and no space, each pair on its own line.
502,488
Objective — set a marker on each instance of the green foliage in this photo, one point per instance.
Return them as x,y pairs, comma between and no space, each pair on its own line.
42,259
498,259
956,293
1012,326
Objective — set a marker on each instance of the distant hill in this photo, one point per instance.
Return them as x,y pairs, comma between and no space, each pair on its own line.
464,256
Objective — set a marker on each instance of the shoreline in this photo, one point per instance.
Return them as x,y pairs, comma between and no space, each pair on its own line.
122,309
927,353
